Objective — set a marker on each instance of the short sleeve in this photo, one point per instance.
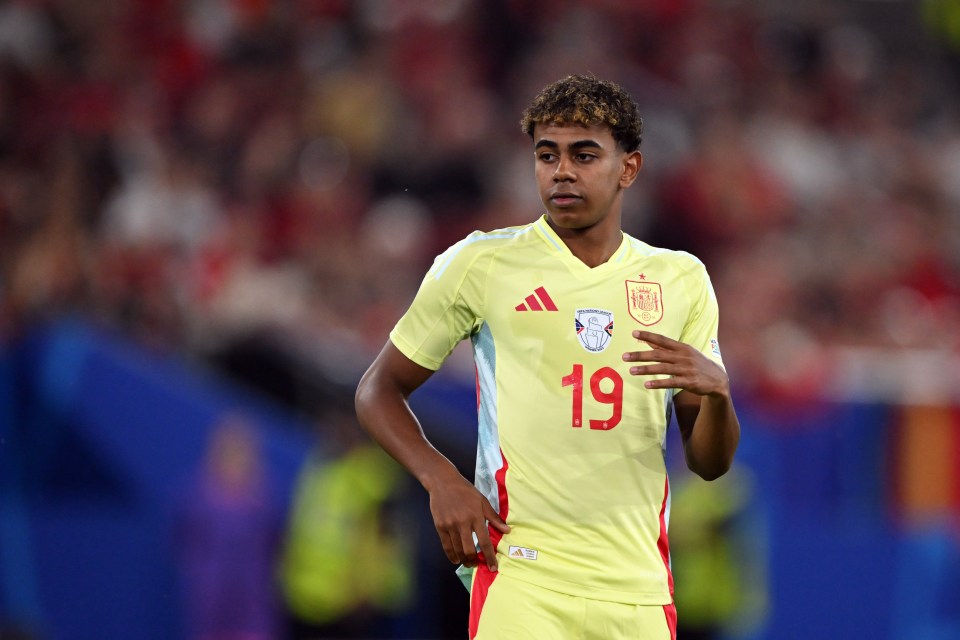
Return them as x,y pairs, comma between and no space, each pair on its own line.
448,306
701,329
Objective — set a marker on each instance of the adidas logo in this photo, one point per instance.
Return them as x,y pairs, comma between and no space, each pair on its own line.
523,553
539,300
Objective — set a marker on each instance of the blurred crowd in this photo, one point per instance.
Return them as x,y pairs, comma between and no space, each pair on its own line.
206,173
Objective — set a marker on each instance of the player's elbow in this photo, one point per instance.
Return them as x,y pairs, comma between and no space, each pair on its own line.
711,469
711,473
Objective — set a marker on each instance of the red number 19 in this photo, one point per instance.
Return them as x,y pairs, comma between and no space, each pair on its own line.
614,397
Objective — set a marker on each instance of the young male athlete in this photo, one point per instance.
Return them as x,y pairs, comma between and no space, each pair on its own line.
584,339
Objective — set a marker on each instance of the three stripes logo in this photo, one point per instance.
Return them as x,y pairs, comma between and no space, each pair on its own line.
522,553
539,300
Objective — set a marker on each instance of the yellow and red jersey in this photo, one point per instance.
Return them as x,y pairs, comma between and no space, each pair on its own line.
570,445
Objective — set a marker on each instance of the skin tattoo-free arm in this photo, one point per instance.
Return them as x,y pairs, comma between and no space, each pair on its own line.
459,510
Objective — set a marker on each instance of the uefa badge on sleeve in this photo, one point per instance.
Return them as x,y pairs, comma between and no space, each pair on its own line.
594,328
715,347
645,302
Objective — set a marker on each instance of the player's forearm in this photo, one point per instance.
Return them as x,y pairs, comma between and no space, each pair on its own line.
714,439
384,413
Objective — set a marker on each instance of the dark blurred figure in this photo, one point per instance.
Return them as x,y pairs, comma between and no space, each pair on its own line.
348,562
228,532
717,555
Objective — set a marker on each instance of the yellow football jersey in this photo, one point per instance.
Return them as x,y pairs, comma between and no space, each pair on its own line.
570,445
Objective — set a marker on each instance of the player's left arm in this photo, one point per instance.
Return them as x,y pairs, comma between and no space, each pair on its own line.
708,421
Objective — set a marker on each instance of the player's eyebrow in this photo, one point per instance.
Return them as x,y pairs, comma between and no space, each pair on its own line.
576,145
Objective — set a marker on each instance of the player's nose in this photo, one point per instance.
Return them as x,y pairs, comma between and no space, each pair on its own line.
564,171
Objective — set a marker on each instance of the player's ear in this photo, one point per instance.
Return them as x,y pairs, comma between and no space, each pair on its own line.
632,162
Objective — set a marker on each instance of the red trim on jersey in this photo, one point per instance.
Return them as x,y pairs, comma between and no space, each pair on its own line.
476,374
533,303
545,298
484,577
478,595
670,611
662,543
501,478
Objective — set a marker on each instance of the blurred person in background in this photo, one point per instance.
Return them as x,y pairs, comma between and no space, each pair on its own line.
717,560
347,566
565,532
227,538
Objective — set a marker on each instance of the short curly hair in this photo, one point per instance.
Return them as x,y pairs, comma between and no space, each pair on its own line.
587,100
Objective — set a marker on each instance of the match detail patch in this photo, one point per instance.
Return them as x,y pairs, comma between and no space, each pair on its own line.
594,328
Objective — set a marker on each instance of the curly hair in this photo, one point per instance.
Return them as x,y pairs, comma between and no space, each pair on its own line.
587,100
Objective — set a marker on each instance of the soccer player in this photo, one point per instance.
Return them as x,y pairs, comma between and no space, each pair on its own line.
585,339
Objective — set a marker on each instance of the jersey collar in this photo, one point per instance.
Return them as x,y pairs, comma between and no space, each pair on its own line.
563,251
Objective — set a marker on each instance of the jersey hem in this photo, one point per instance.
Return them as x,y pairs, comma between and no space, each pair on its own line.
579,591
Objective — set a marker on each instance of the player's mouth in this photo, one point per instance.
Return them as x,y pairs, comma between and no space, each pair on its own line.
564,198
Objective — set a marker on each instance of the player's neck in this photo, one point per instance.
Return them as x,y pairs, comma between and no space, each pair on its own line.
594,245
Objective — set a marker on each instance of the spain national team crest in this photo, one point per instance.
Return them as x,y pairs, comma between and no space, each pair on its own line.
594,328
645,302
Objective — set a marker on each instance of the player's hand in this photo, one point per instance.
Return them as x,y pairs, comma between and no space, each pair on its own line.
459,511
688,369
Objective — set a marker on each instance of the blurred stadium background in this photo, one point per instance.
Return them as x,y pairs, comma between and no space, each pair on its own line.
212,212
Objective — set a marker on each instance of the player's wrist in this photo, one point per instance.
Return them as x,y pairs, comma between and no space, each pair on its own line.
722,392
439,474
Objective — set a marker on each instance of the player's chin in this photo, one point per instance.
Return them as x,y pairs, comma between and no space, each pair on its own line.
570,217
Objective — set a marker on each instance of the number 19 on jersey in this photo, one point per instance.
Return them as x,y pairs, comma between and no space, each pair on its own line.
612,397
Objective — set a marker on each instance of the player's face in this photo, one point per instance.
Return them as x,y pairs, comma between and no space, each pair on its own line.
581,173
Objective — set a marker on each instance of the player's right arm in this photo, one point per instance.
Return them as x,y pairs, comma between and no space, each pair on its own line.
459,509
446,310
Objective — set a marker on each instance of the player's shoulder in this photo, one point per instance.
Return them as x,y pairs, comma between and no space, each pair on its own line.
487,240
479,244
683,261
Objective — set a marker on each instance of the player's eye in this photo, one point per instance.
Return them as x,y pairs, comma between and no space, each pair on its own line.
585,157
547,157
